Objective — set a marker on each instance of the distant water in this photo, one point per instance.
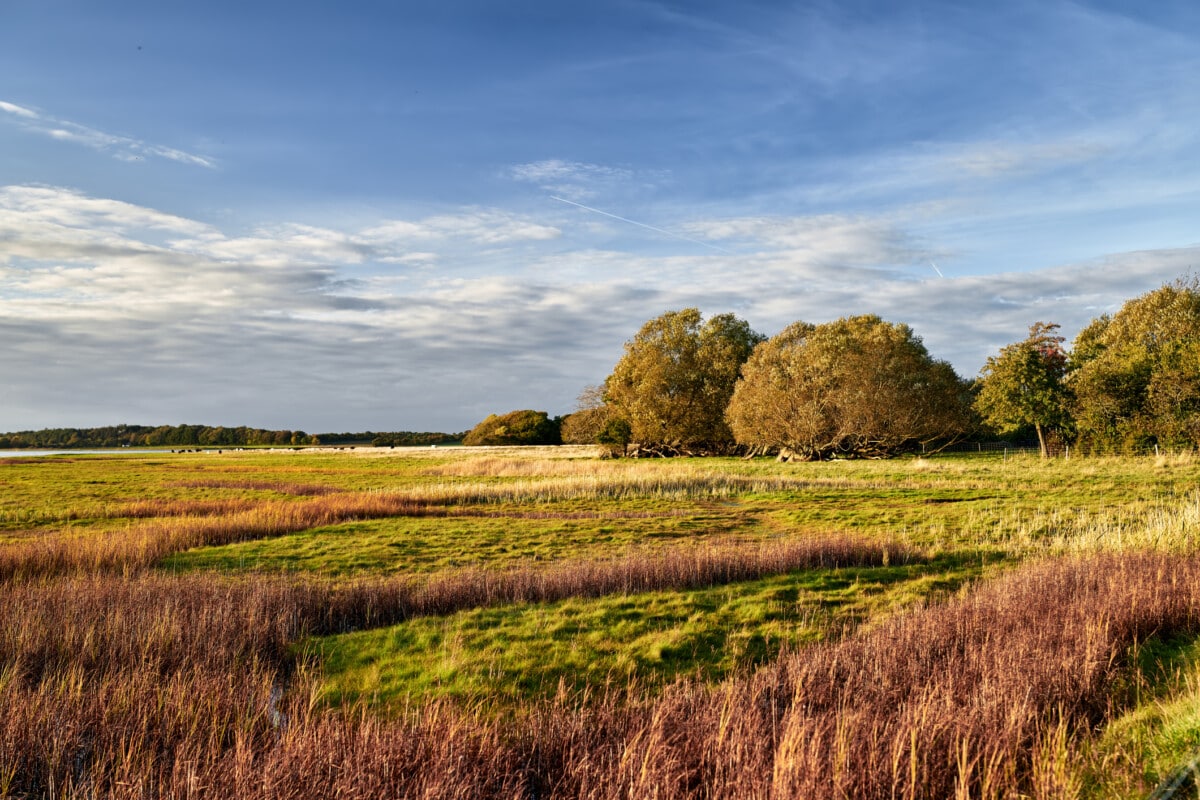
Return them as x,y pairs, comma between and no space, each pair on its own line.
108,452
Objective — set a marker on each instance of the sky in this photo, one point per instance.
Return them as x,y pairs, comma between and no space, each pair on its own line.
407,215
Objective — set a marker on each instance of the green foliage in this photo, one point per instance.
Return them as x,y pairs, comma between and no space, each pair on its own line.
676,378
616,433
1024,385
1137,379
146,436
857,387
396,439
523,427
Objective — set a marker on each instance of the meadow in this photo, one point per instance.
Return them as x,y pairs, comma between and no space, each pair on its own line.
539,622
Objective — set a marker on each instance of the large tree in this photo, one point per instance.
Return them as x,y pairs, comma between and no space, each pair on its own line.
857,387
676,378
1023,386
1137,374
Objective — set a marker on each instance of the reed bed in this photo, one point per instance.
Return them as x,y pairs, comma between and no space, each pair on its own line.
102,624
292,488
989,695
679,568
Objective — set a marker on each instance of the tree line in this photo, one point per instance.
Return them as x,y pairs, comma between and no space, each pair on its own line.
208,436
1129,383
863,387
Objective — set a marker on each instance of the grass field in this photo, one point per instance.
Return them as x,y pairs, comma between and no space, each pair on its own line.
539,622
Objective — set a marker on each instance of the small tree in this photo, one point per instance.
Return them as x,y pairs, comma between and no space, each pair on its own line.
587,421
1023,386
676,378
857,387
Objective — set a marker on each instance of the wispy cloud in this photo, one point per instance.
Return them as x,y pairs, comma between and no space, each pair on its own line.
478,226
574,180
124,148
17,110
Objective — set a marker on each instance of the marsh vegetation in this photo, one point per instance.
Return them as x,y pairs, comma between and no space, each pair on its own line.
544,623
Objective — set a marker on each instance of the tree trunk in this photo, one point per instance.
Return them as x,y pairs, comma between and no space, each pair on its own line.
1037,426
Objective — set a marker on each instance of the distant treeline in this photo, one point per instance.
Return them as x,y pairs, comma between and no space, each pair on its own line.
207,436
393,439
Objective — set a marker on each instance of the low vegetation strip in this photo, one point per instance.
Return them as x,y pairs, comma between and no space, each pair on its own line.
679,568
101,624
991,695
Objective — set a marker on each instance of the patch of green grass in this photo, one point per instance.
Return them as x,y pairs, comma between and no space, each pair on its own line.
424,544
513,653
1161,730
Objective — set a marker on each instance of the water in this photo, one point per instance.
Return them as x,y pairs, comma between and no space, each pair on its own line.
107,452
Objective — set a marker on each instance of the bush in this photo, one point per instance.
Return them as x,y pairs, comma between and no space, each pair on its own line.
515,428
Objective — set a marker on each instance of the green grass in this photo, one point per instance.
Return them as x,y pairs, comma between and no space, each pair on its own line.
498,656
513,653
418,545
1159,733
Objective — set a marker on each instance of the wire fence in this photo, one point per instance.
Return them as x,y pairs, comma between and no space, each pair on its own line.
1061,449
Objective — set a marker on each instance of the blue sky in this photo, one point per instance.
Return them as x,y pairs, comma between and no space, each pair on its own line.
398,216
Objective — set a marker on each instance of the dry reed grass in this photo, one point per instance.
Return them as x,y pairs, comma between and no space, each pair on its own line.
987,696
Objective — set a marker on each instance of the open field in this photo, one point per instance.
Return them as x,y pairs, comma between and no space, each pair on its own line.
543,623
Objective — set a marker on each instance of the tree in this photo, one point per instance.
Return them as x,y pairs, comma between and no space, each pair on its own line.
673,383
1024,385
1137,380
515,428
585,424
857,387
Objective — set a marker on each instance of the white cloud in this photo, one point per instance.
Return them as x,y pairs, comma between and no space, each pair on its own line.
821,239
20,111
574,180
124,148
169,319
68,208
999,158
479,226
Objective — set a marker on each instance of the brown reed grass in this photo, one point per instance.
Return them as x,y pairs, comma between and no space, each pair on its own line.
292,488
162,687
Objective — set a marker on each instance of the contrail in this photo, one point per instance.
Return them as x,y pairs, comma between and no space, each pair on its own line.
935,269
643,225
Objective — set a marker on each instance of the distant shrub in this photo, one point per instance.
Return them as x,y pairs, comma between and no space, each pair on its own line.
515,428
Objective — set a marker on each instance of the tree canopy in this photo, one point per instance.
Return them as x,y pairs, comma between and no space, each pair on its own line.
515,428
1137,374
857,387
1023,386
674,382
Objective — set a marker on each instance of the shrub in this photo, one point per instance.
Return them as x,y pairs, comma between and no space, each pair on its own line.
515,428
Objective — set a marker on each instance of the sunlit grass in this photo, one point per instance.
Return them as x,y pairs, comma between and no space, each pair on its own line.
512,653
